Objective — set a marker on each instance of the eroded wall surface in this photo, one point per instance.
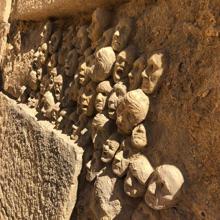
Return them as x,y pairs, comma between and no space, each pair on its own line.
150,101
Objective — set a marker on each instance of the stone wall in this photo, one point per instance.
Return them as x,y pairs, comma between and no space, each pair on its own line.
5,10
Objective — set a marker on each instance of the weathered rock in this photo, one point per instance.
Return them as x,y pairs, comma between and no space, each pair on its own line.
39,167
5,10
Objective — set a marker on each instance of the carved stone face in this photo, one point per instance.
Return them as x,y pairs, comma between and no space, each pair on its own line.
119,91
151,75
124,63
104,60
164,187
82,40
46,84
121,161
47,31
131,110
55,42
71,63
87,99
134,76
53,61
83,74
53,72
103,90
139,171
58,86
110,147
122,34
100,21
48,104
33,81
139,137
106,38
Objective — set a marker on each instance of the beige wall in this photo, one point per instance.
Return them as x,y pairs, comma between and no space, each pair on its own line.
41,9
5,9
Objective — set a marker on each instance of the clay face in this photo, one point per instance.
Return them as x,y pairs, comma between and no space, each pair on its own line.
100,21
139,171
106,38
33,80
164,187
151,75
139,137
103,90
124,63
134,76
82,40
58,86
118,92
55,42
47,31
104,60
87,98
131,110
83,74
71,63
122,34
48,104
110,147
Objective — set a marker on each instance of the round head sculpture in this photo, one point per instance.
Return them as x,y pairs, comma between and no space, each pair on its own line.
164,187
131,111
139,137
101,19
48,105
106,39
104,60
139,171
55,42
58,86
122,34
83,72
103,90
152,74
71,63
82,40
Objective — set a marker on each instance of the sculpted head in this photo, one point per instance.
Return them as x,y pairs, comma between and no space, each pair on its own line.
122,34
53,61
82,40
33,81
48,105
124,62
58,86
139,171
152,74
164,187
101,19
135,77
47,31
139,137
103,90
106,38
71,63
84,74
55,41
110,147
46,84
131,111
119,91
104,61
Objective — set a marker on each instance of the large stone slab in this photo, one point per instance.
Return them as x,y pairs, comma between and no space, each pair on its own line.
41,9
5,10
38,167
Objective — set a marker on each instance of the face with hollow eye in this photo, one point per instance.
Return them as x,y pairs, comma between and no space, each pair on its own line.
139,137
109,149
100,102
48,104
82,40
46,84
152,74
55,42
122,34
58,86
71,63
163,187
135,74
83,74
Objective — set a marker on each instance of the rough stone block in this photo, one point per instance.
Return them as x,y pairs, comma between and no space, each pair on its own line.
5,10
38,167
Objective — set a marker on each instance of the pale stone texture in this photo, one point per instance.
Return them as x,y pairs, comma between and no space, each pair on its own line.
39,167
41,9
5,9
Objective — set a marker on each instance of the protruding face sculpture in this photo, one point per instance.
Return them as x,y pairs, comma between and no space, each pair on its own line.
124,63
47,31
33,81
139,171
100,21
104,61
106,39
131,110
53,72
55,42
58,86
87,98
110,147
46,84
121,160
48,105
139,137
122,34
53,61
82,40
71,63
164,187
84,72
118,92
151,75
134,76
103,90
